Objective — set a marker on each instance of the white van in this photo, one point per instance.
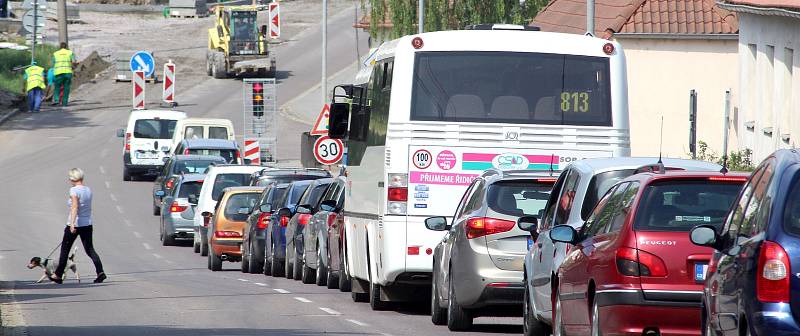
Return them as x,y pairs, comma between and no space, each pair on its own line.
217,179
148,140
203,128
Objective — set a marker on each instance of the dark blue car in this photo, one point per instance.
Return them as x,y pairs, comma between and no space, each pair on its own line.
750,288
283,210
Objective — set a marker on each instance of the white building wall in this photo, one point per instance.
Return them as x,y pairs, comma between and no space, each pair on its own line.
661,72
769,69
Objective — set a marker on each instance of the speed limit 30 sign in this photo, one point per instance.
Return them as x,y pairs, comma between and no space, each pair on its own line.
328,151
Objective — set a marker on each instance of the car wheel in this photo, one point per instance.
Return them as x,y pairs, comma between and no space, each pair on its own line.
345,283
203,245
531,326
359,297
245,264
267,262
307,275
438,314
288,267
256,263
558,327
275,265
322,271
596,319
214,261
126,174
297,266
167,240
458,318
196,246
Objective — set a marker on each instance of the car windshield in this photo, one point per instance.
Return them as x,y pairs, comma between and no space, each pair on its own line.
680,205
526,88
267,180
193,166
240,201
154,128
228,180
518,198
189,188
598,187
228,154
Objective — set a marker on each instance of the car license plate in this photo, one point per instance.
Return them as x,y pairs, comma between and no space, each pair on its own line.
530,243
146,155
700,272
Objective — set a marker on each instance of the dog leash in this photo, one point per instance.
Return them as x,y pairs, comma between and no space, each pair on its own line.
53,251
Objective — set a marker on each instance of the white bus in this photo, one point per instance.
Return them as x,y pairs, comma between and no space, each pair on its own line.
441,107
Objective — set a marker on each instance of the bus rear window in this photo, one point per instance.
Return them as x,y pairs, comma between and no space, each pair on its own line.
511,87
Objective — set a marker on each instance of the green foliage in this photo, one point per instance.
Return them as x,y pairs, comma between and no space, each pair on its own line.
450,14
740,160
10,79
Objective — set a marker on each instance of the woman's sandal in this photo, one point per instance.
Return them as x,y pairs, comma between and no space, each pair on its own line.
56,279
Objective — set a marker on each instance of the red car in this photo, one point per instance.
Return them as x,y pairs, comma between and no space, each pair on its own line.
631,268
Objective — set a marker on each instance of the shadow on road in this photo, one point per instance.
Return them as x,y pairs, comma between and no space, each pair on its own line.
167,330
49,118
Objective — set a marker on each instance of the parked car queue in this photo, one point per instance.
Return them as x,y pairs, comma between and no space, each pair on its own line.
678,247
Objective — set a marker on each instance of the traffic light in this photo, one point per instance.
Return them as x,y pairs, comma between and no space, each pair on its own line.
258,99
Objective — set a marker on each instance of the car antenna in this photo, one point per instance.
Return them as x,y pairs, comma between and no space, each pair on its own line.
661,168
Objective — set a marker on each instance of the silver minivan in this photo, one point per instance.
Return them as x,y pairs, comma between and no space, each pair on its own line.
477,267
579,187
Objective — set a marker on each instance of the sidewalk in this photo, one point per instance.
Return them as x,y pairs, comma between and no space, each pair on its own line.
306,107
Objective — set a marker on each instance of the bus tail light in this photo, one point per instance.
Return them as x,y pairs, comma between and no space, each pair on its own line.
772,281
483,226
397,194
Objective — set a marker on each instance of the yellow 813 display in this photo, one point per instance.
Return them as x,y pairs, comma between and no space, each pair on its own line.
574,102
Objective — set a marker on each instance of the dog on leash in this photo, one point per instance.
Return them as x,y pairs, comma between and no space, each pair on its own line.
49,266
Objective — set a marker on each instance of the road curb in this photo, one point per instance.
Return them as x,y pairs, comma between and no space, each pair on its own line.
12,323
4,118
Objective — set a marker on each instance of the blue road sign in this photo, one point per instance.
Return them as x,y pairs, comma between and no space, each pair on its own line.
144,61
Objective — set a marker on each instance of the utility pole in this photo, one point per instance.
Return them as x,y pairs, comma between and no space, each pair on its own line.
421,12
35,23
324,52
590,17
726,123
62,22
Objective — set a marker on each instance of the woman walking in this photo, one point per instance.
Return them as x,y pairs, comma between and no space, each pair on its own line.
79,223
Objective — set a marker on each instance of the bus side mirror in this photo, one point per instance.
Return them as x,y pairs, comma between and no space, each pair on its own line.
338,121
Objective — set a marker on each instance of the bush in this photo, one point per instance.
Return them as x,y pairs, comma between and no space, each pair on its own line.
10,79
740,160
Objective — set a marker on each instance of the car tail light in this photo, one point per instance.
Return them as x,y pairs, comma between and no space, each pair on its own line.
186,151
397,194
413,250
178,207
546,180
127,142
227,234
728,178
633,262
284,221
263,220
303,219
482,226
170,183
772,283
331,219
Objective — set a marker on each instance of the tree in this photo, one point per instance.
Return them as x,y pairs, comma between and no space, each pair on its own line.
450,14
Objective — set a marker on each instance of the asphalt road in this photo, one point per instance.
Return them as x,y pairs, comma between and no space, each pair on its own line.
155,290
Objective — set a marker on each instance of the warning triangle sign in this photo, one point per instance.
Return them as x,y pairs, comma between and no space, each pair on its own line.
321,126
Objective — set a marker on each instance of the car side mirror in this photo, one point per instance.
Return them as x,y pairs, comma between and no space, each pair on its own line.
338,121
165,159
266,208
303,209
564,234
243,211
328,205
160,193
436,223
528,223
285,212
704,235
193,199
207,214
120,133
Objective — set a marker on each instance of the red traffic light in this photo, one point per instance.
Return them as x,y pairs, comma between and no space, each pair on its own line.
258,87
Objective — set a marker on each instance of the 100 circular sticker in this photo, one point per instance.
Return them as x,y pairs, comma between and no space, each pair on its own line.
422,159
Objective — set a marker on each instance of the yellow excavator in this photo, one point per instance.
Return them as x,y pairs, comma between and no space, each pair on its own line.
236,45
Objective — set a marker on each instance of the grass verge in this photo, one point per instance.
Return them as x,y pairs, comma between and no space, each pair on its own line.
13,61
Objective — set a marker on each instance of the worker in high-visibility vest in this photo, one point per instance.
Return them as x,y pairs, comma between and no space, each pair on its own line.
34,86
63,60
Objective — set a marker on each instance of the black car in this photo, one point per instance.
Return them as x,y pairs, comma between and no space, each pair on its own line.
179,165
269,176
306,207
283,210
322,240
256,227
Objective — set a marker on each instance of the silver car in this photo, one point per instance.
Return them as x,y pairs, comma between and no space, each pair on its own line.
177,208
579,187
477,267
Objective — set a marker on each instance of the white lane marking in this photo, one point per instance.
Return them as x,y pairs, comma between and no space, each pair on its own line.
282,291
119,209
260,284
108,185
128,223
112,197
147,246
157,256
330,311
169,262
357,322
302,299
243,280
137,234
102,170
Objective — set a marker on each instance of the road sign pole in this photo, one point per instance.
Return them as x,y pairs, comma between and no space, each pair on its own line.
324,86
62,22
35,23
